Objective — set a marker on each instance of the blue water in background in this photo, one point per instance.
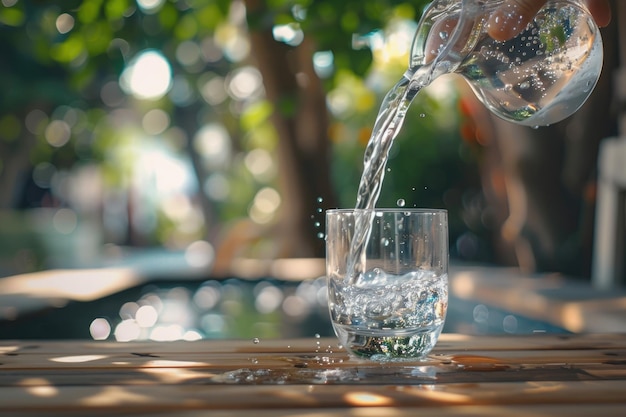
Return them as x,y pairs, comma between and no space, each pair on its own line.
231,309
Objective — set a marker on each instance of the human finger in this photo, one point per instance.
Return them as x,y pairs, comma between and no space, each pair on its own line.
513,16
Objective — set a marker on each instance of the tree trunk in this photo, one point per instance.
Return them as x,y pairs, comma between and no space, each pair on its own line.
301,120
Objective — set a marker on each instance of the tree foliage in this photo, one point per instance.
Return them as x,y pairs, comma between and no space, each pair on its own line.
62,61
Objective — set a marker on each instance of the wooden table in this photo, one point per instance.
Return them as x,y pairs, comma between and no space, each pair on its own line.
540,375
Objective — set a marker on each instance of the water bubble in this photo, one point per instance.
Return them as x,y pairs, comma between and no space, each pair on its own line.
317,224
317,335
443,35
256,341
320,199
321,235
401,202
422,115
524,86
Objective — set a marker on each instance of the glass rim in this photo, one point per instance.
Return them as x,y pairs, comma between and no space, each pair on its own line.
411,210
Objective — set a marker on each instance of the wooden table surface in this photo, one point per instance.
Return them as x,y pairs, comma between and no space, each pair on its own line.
539,374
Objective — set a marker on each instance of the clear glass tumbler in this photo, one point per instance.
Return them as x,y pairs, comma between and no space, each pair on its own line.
387,297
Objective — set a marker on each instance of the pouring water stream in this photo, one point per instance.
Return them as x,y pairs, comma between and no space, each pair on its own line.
387,126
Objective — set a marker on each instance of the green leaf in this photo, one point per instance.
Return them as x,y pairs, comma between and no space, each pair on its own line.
10,128
256,114
12,16
69,50
210,16
89,11
168,16
358,61
186,28
115,9
350,22
97,37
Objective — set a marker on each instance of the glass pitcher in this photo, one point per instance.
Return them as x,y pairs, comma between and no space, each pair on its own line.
539,77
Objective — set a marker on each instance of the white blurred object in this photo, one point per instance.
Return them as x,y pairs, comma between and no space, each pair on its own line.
609,248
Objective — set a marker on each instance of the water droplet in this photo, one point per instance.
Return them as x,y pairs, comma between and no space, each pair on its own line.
317,224
422,115
320,199
317,335
321,235
401,202
443,35
524,86
256,340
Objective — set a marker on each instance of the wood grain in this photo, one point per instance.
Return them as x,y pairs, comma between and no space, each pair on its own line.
495,375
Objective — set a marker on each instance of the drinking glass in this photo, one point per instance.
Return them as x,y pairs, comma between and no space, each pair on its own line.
387,280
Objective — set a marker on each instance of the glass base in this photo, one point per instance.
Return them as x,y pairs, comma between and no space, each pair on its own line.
388,346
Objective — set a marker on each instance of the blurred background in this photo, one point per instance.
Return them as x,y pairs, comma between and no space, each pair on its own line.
168,140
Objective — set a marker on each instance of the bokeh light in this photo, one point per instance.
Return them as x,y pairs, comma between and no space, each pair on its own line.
64,23
212,142
323,63
182,93
200,254
217,187
218,309
43,174
127,330
189,53
260,164
268,298
213,89
148,76
245,83
265,204
111,94
65,221
36,121
155,121
100,329
146,316
150,6
290,33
